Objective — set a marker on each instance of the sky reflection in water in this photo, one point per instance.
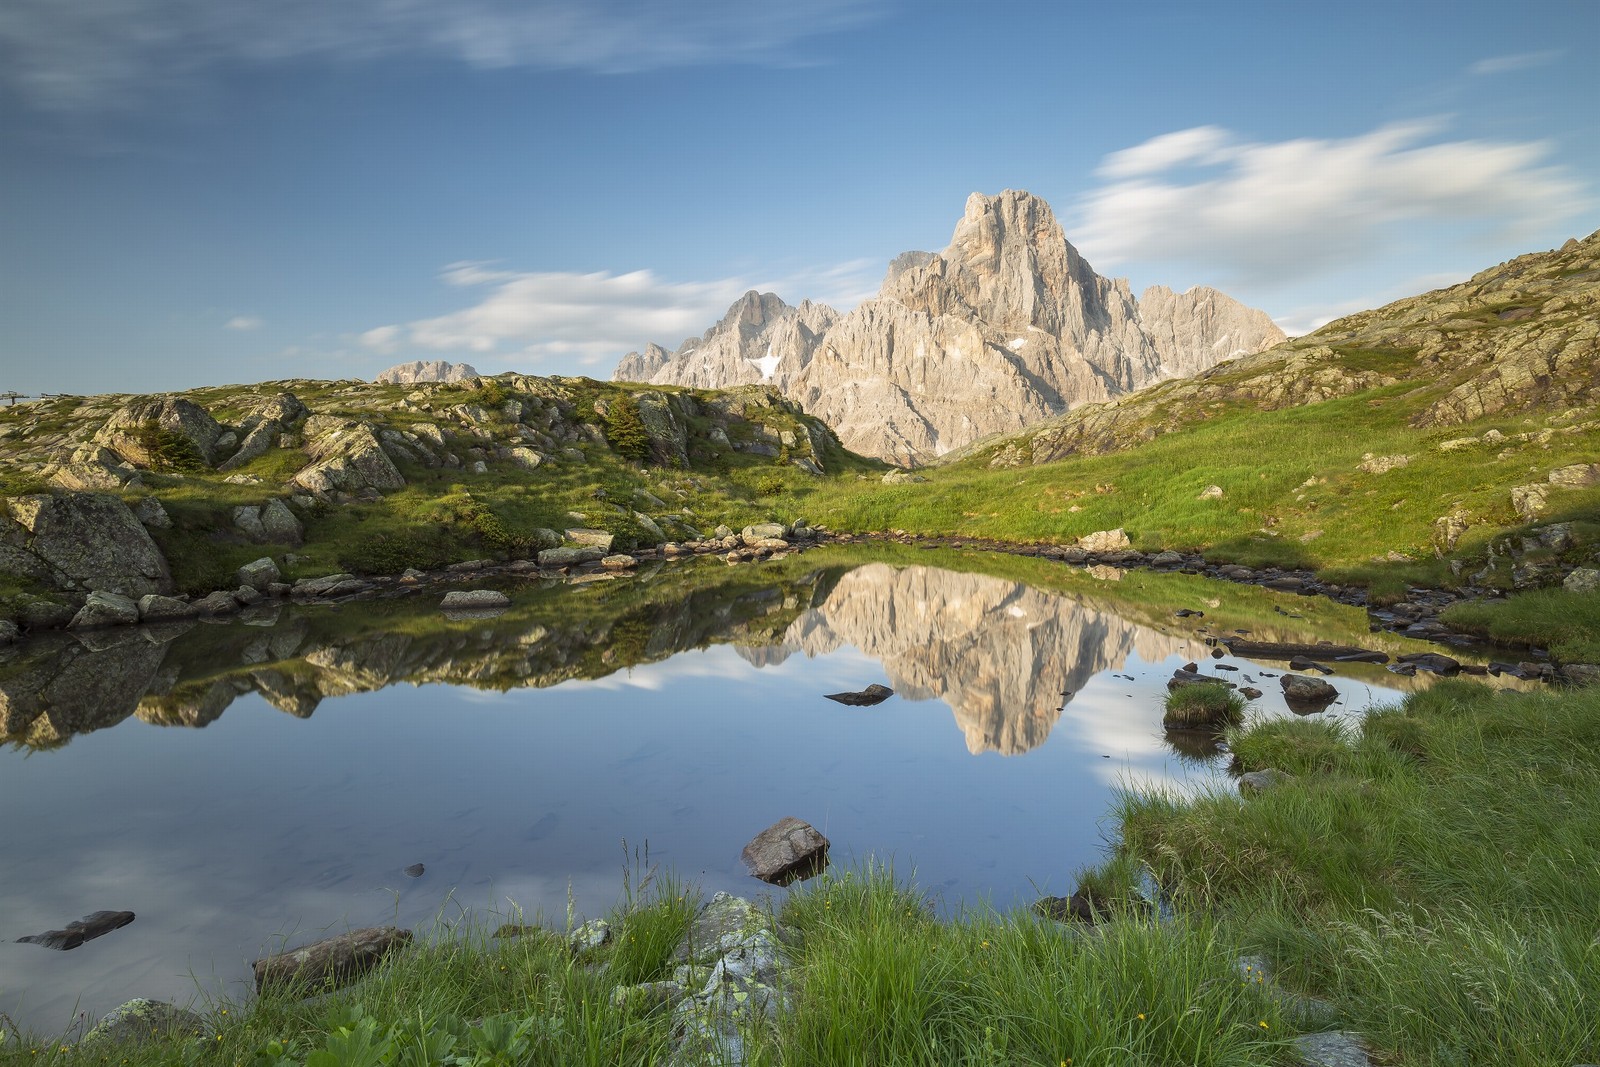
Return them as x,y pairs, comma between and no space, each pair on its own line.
263,828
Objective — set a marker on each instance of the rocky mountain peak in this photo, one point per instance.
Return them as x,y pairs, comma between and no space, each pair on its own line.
1006,327
431,370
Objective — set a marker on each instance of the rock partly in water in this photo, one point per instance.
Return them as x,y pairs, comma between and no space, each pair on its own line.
471,599
155,608
330,962
872,694
1307,695
91,540
789,850
1105,541
258,574
105,609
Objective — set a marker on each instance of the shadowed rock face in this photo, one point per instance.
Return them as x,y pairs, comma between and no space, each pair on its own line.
1000,653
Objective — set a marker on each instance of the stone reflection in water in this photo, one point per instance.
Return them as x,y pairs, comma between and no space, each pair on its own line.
1003,655
189,674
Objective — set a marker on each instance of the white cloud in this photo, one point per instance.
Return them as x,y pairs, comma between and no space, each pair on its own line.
1269,214
544,317
243,322
1519,61
104,53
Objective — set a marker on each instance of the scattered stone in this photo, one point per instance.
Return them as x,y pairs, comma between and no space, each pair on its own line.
1189,613
1530,501
898,477
416,870
872,694
143,1020
1085,906
1304,663
1211,492
619,562
219,603
764,531
1250,692
1581,673
330,962
96,924
1167,559
330,585
1582,580
789,850
1577,476
588,937
105,609
1105,541
1372,464
1253,782
280,525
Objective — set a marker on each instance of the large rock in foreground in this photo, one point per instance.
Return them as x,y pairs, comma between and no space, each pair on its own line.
789,850
330,962
87,540
143,1020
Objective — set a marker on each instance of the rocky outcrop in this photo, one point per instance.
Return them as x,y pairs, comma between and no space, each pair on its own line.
186,420
1008,326
346,458
431,370
81,541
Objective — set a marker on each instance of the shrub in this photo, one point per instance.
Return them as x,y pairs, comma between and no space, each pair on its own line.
626,431
167,449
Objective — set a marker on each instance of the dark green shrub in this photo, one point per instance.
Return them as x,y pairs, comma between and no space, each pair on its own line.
626,431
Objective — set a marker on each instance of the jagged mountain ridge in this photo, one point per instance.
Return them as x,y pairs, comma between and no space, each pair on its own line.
1007,327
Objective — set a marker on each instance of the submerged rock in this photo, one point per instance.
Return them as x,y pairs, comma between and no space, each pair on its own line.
787,851
97,924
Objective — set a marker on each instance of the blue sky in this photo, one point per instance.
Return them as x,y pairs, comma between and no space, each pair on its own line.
207,191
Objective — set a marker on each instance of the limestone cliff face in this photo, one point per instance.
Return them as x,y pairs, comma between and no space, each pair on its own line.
1006,327
1000,653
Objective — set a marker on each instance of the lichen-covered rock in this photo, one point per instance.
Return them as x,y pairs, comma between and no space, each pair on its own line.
150,512
789,850
330,585
1530,501
1331,1050
619,562
1252,782
155,607
587,538
347,457
1582,580
105,609
143,1020
1576,476
175,415
92,540
1105,541
743,989
258,574
764,531
331,962
279,523
589,936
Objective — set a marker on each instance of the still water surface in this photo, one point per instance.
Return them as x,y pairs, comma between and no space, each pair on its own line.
514,757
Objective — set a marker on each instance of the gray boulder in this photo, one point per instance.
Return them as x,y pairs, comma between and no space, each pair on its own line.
94,540
1307,694
280,524
260,573
1252,782
154,607
787,851
221,602
1582,580
346,457
764,531
143,1020
1331,1050
247,520
330,962
621,561
105,609
587,538
150,512
1577,476
1105,541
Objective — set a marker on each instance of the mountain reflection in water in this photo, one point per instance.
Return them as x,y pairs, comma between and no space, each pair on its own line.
684,707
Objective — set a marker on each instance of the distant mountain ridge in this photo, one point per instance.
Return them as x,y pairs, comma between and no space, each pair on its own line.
1007,327
432,370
